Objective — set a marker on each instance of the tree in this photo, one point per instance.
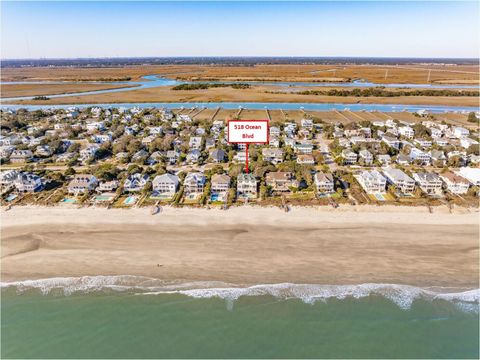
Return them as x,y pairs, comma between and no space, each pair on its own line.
263,192
473,191
75,147
472,117
70,171
147,188
134,146
106,172
235,170
473,149
318,156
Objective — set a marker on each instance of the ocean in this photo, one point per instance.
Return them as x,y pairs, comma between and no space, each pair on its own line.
134,317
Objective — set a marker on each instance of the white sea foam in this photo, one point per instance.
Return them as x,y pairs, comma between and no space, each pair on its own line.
402,295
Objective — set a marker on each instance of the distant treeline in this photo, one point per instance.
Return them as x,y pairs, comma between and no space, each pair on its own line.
246,61
203,86
381,92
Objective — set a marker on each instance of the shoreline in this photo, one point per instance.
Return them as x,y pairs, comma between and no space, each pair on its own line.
245,245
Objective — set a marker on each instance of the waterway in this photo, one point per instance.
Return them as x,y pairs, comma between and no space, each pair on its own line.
153,81
259,106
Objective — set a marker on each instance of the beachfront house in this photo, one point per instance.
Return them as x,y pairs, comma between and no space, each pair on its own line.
194,183
7,178
28,182
246,186
404,183
220,185
324,183
165,184
135,182
429,182
372,181
6,151
471,174
82,183
281,181
108,186
455,183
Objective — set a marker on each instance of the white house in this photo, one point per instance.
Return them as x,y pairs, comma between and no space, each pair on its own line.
402,181
454,183
460,132
349,157
372,181
429,182
246,186
220,184
135,182
324,183
273,156
406,131
420,156
82,183
366,156
194,183
471,174
165,184
27,182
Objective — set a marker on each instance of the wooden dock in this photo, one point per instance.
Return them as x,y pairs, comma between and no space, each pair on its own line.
268,114
215,113
237,115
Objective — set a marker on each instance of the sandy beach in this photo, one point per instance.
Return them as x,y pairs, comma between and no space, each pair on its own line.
245,245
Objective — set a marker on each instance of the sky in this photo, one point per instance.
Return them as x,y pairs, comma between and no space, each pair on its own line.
164,29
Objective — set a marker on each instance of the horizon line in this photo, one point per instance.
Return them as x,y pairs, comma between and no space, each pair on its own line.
241,56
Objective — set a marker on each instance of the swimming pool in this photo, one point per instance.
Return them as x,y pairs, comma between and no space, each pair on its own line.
68,200
130,200
104,198
11,197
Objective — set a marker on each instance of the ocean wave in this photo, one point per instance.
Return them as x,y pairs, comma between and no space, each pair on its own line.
402,295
